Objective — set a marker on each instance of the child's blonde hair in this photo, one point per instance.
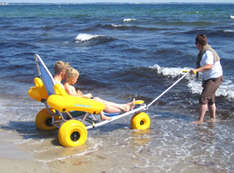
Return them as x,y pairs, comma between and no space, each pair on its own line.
71,73
60,66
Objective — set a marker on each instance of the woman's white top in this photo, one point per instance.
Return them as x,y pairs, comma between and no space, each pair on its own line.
216,70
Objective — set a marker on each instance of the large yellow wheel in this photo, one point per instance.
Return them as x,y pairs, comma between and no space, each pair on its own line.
44,120
140,121
72,133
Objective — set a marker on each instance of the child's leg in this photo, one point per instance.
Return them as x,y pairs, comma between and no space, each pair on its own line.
103,117
114,107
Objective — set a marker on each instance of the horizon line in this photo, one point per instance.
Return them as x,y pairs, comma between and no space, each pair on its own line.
12,3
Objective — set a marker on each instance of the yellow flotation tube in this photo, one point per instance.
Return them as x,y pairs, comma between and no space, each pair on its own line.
63,102
67,103
38,92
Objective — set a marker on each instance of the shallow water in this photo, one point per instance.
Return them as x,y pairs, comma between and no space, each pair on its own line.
172,144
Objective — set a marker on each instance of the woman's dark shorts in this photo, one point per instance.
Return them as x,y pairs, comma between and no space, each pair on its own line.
209,88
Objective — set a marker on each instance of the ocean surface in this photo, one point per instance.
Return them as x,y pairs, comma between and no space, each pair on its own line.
123,51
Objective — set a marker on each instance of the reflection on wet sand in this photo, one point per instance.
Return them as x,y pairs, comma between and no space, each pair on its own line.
141,137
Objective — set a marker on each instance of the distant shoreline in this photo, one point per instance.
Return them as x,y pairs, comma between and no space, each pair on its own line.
120,3
3,3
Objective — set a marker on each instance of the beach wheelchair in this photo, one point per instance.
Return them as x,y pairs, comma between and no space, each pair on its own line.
73,115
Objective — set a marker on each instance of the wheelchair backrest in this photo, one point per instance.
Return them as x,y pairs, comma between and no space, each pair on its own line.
45,75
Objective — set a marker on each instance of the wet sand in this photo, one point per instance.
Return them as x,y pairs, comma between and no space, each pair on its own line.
33,155
130,152
44,155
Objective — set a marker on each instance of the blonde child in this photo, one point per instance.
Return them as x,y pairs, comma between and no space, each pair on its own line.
71,78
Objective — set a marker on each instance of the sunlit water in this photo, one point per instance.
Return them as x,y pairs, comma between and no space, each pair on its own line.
121,51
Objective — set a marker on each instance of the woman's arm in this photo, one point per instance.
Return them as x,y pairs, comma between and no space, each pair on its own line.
202,68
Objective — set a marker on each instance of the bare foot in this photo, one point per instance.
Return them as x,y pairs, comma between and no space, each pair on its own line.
197,122
103,117
132,104
212,120
129,106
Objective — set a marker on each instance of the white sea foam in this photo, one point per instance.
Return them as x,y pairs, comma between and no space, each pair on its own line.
169,71
95,147
225,89
195,86
232,17
116,25
228,30
86,37
128,19
24,141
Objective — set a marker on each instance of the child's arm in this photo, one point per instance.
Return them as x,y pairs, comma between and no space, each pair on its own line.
89,95
70,89
79,93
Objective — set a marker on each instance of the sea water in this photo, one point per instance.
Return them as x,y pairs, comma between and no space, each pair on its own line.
122,51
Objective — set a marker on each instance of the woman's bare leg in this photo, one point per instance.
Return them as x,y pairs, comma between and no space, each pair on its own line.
212,110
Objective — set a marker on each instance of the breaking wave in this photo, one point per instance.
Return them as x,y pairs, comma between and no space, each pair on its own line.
129,20
131,27
87,37
93,39
225,90
228,30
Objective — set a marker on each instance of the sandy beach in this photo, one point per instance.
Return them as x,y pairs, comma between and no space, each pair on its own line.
46,155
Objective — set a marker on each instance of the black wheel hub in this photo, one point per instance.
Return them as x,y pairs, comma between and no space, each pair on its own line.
49,122
75,136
